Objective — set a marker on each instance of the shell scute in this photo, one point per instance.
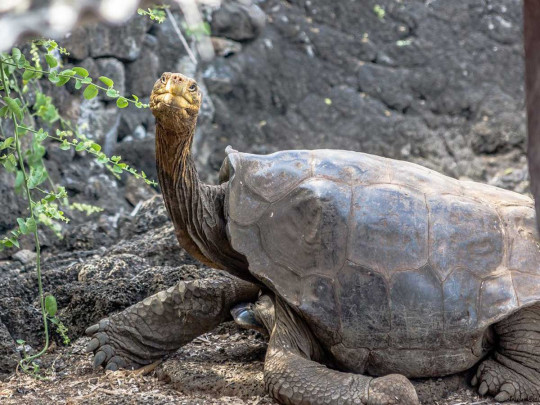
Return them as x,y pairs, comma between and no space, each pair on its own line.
274,176
417,309
526,286
523,245
497,298
387,221
460,292
464,234
307,231
428,181
365,308
495,195
246,240
319,306
350,167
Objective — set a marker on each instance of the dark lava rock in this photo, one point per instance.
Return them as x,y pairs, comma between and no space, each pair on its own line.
143,73
239,20
8,354
122,42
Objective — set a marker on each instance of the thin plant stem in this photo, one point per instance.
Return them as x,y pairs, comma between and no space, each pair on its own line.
5,84
181,36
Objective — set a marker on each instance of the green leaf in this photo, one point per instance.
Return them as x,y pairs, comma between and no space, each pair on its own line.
31,224
80,146
4,111
28,74
65,145
102,158
50,305
22,226
41,135
80,71
135,97
64,76
122,102
113,93
96,147
86,80
53,77
19,180
20,342
117,169
108,82
90,92
78,84
116,159
7,143
10,163
37,176
16,54
51,60
13,106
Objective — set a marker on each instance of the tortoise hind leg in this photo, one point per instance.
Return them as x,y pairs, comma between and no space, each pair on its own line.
514,371
293,375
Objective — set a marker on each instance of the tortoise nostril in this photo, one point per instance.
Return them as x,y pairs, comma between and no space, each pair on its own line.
177,78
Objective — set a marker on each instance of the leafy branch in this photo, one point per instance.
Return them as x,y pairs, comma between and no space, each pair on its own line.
25,159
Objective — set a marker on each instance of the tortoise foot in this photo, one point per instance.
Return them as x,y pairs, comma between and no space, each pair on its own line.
111,349
392,389
504,384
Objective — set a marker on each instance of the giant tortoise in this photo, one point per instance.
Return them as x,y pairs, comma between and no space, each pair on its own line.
364,270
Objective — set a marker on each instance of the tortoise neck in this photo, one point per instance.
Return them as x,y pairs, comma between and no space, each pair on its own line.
196,209
182,190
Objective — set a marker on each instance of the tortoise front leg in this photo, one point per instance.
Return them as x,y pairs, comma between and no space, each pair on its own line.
292,374
162,323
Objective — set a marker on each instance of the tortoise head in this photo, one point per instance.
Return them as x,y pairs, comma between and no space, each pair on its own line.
175,98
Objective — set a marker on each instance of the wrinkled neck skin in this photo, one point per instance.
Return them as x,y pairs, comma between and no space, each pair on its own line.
196,209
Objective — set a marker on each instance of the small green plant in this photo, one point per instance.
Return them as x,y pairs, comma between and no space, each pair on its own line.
379,11
198,30
22,152
156,13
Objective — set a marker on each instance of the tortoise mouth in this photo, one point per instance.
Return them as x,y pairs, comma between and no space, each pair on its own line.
165,100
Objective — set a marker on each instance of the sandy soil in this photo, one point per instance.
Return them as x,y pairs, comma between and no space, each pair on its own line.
221,367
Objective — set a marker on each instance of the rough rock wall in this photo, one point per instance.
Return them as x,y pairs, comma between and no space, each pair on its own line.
433,82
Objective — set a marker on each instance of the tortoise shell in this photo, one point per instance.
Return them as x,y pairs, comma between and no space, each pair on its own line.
373,251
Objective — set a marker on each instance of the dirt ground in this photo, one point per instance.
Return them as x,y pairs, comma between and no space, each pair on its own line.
221,367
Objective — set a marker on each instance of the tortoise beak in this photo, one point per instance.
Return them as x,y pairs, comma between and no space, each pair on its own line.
172,94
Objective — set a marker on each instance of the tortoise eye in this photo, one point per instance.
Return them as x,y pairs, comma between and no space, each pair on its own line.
193,87
163,79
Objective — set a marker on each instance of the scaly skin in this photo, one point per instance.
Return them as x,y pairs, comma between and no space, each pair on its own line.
513,374
293,374
160,324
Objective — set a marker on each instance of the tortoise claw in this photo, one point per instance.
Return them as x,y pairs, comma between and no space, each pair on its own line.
474,381
483,389
93,345
92,329
99,359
